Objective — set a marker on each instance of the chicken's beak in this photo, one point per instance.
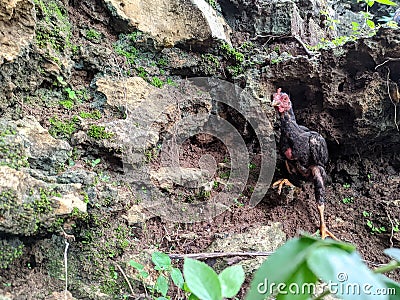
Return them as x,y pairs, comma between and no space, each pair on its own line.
276,103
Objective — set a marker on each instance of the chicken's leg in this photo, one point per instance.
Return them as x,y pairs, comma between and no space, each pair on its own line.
323,230
319,189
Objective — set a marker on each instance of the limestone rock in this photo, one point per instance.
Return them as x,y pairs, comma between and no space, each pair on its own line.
28,205
166,177
263,238
44,151
17,27
137,214
169,22
149,111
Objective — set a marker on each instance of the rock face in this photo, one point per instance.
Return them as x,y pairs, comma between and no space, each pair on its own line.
17,27
276,18
169,22
43,151
166,177
263,238
28,204
25,142
344,94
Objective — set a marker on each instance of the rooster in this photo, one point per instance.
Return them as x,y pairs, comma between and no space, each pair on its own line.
306,154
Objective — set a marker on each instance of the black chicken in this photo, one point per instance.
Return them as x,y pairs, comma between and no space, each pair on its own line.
306,154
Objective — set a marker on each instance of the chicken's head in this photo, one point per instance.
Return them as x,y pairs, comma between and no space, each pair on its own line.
281,101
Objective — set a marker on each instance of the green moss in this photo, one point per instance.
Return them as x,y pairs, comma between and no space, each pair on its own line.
232,53
67,104
93,35
32,214
157,82
128,51
53,26
61,129
12,152
10,250
213,3
99,132
90,115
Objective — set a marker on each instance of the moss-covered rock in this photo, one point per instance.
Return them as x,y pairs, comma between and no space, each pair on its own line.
29,206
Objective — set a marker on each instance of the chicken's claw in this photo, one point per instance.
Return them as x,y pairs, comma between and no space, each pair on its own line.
280,183
323,230
325,233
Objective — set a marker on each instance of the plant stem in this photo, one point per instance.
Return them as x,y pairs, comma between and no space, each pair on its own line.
386,268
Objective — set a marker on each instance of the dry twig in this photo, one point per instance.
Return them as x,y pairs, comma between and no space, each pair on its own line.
391,100
218,254
388,59
126,279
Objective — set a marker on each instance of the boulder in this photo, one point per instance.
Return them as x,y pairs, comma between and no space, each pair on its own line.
17,27
169,22
262,239
166,177
29,205
43,151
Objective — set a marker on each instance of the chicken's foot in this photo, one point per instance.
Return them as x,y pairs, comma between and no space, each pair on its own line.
280,183
323,229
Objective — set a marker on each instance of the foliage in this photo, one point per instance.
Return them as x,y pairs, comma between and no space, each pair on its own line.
163,266
12,153
232,53
212,3
206,284
99,132
125,46
373,228
93,35
61,129
90,115
54,28
157,82
67,104
348,200
358,30
10,250
301,261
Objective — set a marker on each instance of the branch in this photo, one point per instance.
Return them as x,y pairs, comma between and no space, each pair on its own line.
126,279
218,254
387,60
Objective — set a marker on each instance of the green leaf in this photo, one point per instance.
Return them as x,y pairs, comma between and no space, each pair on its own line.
202,280
370,23
393,253
392,287
355,26
136,265
177,277
287,259
386,2
162,285
231,279
370,2
345,272
193,297
301,286
161,260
